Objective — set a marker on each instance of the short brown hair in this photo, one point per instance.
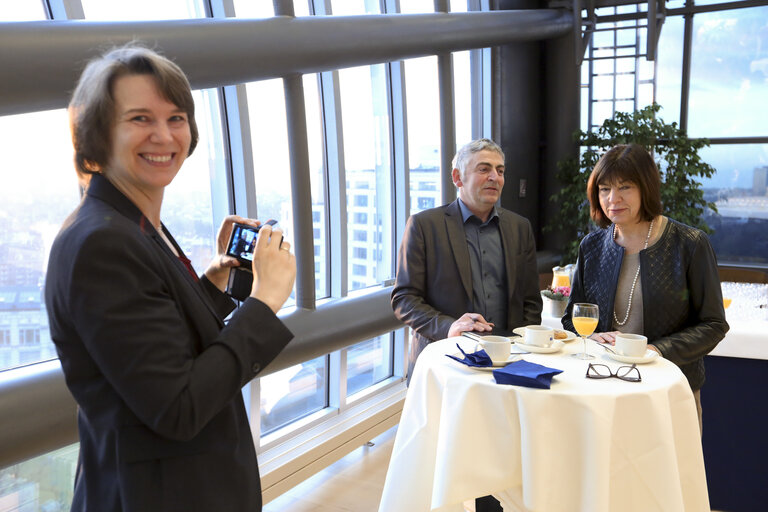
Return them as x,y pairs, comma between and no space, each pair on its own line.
92,107
626,162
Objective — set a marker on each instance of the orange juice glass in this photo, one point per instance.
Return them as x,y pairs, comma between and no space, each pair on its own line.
584,325
585,318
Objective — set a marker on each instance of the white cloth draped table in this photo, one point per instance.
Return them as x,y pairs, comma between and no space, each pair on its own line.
583,445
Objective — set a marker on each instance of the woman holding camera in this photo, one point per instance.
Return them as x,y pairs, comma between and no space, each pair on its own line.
647,273
141,337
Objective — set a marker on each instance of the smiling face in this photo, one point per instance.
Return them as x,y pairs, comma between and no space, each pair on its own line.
150,137
621,202
481,183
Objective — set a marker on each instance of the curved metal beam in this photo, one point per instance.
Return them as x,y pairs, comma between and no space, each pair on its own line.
45,58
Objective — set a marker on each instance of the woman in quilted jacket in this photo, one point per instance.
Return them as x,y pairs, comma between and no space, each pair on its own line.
647,273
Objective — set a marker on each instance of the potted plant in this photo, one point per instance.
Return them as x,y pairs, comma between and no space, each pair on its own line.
676,156
555,300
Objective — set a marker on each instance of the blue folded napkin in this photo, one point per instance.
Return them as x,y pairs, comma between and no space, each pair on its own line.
525,373
479,358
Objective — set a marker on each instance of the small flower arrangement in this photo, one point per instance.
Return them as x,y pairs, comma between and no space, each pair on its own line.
560,293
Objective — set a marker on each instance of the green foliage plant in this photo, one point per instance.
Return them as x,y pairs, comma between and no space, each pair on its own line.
675,154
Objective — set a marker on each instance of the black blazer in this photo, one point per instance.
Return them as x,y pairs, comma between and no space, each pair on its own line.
434,278
155,371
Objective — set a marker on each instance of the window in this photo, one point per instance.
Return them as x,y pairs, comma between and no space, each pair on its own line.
22,11
43,483
142,10
360,253
361,199
360,218
423,113
729,74
462,92
425,203
28,229
365,122
368,363
293,393
358,270
739,191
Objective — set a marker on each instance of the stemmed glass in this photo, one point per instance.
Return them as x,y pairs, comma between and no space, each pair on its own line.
584,318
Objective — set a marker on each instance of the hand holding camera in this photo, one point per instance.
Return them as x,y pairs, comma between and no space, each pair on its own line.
274,268
254,261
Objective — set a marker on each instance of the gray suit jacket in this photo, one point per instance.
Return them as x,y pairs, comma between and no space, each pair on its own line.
434,279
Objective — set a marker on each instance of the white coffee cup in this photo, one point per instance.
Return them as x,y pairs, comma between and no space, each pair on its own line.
631,345
539,335
498,348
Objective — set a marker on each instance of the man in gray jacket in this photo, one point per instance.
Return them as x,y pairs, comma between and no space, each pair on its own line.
468,265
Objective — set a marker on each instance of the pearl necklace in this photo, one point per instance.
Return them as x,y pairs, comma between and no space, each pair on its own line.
634,281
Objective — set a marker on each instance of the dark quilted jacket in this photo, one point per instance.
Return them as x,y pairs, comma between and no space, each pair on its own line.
683,311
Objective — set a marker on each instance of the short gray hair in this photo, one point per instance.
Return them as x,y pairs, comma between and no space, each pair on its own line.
464,153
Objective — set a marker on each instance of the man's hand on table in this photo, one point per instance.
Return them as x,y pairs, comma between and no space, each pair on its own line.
469,322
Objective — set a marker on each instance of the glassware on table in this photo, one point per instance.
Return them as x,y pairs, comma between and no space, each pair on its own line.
584,318
561,276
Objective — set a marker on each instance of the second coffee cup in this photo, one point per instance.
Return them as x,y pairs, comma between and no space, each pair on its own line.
631,345
539,335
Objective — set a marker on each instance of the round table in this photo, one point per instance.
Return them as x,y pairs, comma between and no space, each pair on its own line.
582,445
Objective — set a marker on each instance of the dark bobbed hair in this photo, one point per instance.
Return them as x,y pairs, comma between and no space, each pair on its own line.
92,107
626,162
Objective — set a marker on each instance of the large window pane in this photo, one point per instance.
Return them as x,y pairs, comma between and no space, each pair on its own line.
669,69
41,484
354,7
316,176
423,107
417,6
462,90
739,191
272,170
34,201
368,362
24,10
265,9
293,393
365,123
142,9
729,74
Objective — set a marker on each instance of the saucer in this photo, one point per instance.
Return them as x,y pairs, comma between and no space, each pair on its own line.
496,364
520,331
650,355
511,359
555,347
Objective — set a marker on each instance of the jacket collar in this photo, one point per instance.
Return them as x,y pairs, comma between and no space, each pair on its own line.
101,188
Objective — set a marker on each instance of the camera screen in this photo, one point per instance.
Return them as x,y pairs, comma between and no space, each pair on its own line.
242,242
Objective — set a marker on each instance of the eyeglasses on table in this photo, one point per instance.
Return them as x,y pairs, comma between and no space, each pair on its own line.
601,371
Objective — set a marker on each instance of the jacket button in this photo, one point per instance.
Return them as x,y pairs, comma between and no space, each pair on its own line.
256,367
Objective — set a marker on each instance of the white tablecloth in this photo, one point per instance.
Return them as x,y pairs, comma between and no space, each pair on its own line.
583,445
748,334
